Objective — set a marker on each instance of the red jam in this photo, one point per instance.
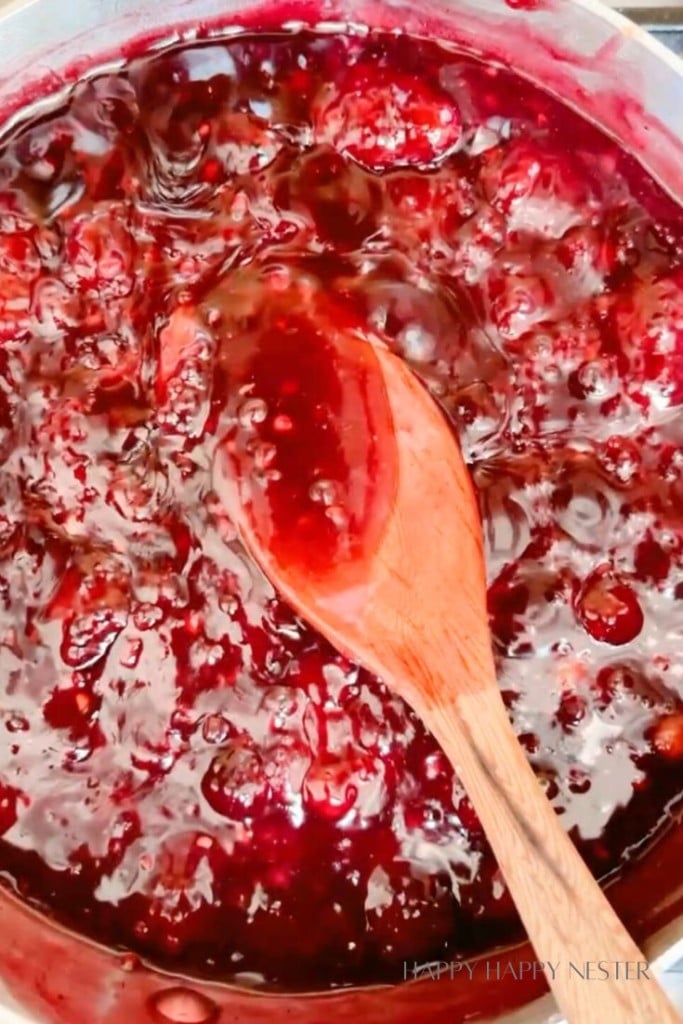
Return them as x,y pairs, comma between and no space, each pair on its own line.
311,455
188,771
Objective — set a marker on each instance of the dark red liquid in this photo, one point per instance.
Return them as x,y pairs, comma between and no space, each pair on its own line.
312,451
187,770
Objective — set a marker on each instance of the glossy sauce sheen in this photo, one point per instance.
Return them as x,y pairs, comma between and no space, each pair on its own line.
312,451
187,770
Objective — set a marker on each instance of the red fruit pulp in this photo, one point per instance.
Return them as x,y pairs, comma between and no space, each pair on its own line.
188,771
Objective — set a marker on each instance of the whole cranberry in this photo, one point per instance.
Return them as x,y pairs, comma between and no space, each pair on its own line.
235,783
609,609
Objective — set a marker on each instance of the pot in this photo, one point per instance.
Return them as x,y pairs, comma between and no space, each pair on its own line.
630,85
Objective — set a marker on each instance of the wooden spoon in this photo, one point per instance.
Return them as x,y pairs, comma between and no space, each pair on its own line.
413,611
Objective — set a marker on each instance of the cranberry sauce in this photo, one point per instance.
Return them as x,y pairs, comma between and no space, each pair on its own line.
187,770
312,456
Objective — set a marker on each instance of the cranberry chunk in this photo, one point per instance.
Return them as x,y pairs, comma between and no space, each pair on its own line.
357,784
648,323
384,118
668,737
87,638
235,784
541,189
651,561
609,610
100,253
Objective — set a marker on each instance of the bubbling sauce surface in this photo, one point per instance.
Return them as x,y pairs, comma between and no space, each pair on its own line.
188,771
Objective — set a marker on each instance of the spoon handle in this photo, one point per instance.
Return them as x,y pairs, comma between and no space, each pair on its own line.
565,912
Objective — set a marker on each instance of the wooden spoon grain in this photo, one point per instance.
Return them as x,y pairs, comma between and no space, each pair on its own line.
414,613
